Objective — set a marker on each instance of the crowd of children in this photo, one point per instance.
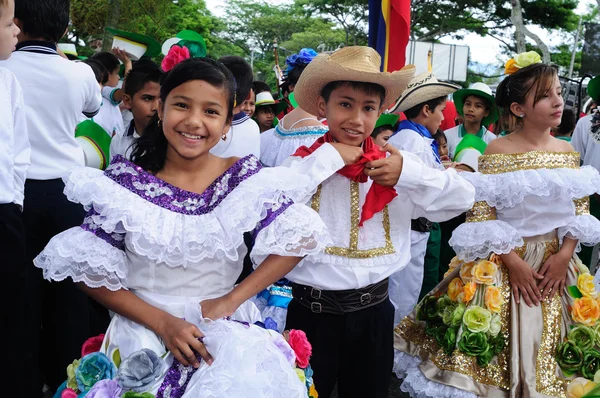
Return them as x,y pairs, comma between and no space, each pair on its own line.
250,246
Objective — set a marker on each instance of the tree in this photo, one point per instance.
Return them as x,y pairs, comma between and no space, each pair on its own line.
315,35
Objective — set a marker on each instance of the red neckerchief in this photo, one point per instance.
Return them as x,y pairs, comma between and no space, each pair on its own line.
378,196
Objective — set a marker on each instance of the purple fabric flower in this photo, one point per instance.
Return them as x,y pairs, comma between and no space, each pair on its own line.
285,348
303,57
140,370
105,389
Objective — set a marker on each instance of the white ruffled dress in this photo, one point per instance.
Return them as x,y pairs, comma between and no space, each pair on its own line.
279,143
527,202
175,248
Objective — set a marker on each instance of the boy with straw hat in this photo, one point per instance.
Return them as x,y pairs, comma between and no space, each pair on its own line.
340,296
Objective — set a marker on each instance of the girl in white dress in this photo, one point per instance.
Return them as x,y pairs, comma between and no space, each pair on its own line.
162,247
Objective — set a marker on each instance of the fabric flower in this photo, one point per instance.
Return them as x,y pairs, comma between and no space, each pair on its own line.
484,272
473,344
582,336
455,288
175,55
591,364
466,272
586,311
93,344
468,292
477,319
497,344
132,394
68,393
303,57
301,346
444,302
448,342
71,379
285,348
569,357
455,262
520,61
140,370
485,357
448,314
579,387
93,368
105,389
312,393
301,375
457,315
495,325
427,308
493,299
585,284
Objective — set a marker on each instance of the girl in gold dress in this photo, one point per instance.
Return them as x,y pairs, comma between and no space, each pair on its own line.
517,312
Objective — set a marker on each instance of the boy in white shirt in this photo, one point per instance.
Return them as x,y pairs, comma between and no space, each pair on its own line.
14,162
58,317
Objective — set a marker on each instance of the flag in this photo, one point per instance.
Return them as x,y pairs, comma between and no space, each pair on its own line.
389,31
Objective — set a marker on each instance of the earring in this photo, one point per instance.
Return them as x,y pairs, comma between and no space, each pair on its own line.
224,137
159,122
522,115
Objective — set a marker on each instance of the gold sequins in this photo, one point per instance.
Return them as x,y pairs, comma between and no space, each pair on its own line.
315,203
481,211
582,206
547,382
508,162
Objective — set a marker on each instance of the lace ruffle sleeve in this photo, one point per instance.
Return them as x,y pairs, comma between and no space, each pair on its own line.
584,227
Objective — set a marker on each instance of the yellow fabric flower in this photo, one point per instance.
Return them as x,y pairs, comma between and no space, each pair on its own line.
484,272
469,292
71,381
301,375
466,271
493,299
586,311
520,61
585,284
510,67
455,262
579,387
455,288
312,393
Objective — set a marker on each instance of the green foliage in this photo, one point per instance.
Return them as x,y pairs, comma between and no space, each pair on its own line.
318,33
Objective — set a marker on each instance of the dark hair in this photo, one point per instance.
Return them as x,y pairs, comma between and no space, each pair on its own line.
567,123
260,87
381,129
242,73
99,70
536,78
368,88
486,102
107,59
150,150
294,74
440,136
142,72
432,104
262,108
46,19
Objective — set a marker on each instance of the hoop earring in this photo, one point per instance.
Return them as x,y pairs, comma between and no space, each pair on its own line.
159,122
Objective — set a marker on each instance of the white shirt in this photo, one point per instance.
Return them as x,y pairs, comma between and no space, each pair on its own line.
15,150
413,142
453,138
121,143
242,139
55,91
584,143
110,119
422,192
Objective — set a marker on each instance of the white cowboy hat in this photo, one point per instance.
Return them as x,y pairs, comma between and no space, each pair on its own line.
355,63
423,88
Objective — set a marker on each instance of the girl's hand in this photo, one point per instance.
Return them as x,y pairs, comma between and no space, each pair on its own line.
218,308
523,280
554,271
182,339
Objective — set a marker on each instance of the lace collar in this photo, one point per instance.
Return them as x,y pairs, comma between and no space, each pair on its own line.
161,193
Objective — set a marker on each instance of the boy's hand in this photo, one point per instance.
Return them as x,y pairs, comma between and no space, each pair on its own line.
386,171
350,154
123,57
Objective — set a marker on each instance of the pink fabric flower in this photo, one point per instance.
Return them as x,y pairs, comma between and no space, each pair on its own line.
301,347
68,393
175,55
93,344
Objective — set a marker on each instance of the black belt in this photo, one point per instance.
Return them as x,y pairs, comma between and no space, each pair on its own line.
340,301
421,224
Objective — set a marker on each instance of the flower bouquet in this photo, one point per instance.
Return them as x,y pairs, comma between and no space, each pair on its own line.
467,316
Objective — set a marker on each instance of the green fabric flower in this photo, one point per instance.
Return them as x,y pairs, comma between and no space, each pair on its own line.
446,309
569,357
528,58
457,315
495,325
71,379
448,342
497,344
432,328
428,308
583,337
591,364
477,319
444,302
485,357
596,334
131,394
473,344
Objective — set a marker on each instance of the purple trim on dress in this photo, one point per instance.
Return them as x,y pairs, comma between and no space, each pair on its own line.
161,193
176,380
272,213
115,239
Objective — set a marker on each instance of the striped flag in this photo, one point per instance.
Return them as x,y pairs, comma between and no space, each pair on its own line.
389,31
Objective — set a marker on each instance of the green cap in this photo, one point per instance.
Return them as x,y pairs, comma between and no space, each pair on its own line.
387,119
153,47
593,88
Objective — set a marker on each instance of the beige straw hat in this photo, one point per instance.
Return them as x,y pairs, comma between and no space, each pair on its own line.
423,88
357,64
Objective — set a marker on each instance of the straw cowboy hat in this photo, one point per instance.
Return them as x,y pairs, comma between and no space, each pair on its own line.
423,88
481,90
355,63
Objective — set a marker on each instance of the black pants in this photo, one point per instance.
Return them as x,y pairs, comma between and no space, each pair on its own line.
355,349
12,298
60,317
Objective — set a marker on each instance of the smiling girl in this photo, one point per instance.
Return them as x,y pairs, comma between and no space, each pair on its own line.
162,244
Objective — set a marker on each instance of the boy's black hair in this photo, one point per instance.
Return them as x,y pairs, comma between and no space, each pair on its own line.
381,129
416,110
99,70
294,74
107,59
260,109
567,123
150,150
260,87
440,136
142,72
242,73
43,19
486,102
369,88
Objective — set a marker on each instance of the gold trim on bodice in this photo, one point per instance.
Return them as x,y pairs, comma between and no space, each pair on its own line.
481,211
582,206
352,251
507,162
